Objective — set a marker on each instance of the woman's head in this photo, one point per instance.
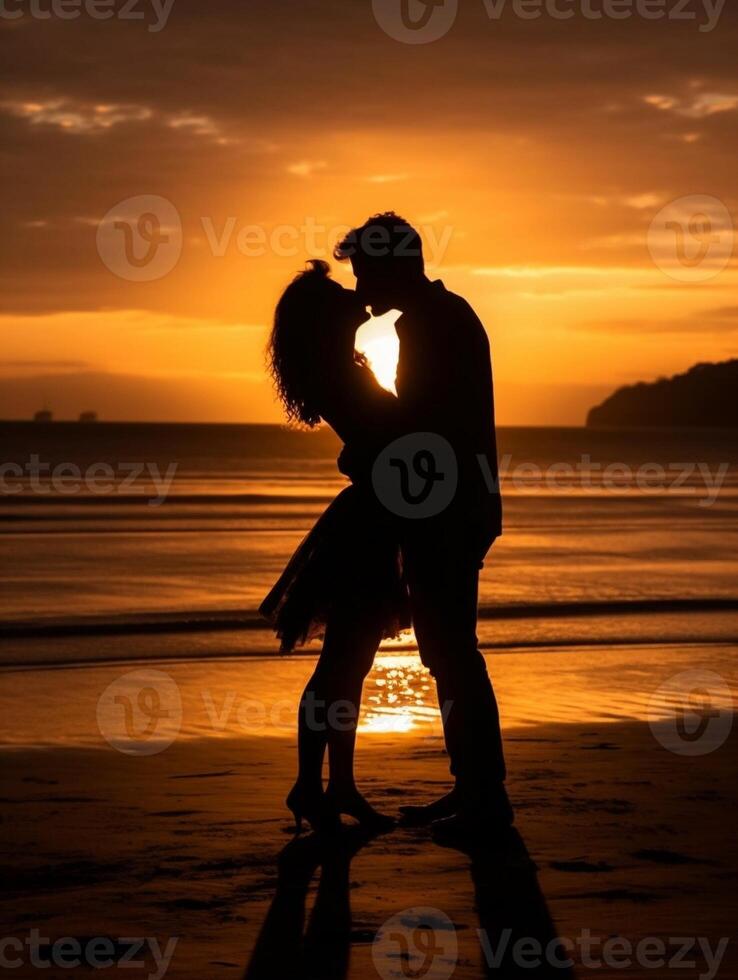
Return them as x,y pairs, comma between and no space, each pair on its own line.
303,342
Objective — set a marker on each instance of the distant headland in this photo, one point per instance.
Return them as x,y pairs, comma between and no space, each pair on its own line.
706,395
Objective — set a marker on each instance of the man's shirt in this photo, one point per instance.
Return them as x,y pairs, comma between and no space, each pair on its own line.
444,385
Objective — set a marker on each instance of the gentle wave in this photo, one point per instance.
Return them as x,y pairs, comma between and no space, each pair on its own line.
234,620
553,644
143,499
727,488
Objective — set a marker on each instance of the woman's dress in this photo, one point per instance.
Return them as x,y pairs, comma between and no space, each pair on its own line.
350,562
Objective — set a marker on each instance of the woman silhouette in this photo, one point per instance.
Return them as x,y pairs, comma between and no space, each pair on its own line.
344,582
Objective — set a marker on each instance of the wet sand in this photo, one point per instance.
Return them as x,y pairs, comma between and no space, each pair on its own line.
617,835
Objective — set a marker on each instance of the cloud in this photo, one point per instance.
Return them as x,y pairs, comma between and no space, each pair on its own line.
387,178
644,202
722,313
77,118
542,272
82,118
698,107
432,217
42,365
306,168
211,328
620,241
133,398
697,323
538,142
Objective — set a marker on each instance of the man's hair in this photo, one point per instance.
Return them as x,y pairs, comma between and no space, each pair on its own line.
387,239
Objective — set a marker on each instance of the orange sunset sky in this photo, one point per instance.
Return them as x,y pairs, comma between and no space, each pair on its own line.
534,154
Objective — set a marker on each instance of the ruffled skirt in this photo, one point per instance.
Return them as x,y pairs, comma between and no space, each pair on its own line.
349,562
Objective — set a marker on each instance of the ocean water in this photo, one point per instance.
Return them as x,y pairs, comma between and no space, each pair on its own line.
102,559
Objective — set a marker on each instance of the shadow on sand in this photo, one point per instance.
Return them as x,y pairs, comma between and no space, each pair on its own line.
510,907
516,932
285,948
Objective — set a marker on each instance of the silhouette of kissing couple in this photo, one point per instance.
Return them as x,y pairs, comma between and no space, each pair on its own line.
367,570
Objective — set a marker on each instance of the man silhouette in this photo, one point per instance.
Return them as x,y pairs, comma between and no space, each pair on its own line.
444,386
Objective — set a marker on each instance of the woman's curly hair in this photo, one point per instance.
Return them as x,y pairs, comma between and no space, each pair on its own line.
295,346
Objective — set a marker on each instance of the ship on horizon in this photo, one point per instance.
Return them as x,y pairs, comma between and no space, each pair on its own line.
46,415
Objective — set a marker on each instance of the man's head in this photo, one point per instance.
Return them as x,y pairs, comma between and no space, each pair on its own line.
387,258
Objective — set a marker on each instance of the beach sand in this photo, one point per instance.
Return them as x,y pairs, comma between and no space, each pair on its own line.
616,834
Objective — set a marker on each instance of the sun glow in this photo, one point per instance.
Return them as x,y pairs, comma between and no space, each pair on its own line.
399,697
378,340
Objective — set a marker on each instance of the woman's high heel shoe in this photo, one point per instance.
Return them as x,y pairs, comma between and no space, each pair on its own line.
312,806
353,804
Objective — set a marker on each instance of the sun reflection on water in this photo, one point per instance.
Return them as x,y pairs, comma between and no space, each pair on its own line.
398,696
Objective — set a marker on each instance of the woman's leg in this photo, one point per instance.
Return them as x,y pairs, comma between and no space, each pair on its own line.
330,703
354,642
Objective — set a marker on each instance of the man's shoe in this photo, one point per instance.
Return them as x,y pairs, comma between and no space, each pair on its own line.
476,825
422,816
